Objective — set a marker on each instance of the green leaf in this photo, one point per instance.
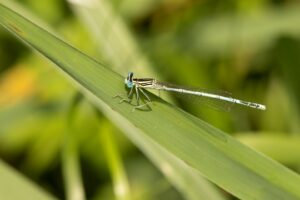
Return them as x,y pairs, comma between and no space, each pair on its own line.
220,158
121,49
282,147
71,169
14,186
70,156
114,161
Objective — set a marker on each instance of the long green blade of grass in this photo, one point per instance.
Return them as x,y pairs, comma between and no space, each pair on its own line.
71,169
223,160
117,45
283,148
114,161
14,186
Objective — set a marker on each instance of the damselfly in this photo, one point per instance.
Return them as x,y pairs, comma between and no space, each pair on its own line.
139,84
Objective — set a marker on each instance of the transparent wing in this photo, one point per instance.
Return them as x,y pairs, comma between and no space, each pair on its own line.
215,103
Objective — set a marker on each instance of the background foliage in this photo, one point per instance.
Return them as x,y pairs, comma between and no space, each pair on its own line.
248,48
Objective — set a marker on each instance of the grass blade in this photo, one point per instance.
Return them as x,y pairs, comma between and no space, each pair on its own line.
223,160
121,49
14,186
115,165
71,168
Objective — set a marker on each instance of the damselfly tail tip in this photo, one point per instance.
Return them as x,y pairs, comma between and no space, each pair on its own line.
262,107
258,106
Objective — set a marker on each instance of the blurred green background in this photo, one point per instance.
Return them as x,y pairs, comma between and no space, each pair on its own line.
248,48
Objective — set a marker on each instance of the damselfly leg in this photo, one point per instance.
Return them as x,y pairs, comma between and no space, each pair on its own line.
147,100
125,97
128,97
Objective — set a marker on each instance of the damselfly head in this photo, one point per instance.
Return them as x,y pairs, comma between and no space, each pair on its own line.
128,80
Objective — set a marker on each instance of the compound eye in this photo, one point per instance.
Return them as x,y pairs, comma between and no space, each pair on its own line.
130,76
